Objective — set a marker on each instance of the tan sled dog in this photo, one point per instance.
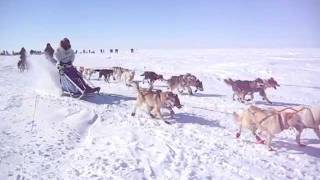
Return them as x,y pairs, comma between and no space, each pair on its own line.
127,76
269,121
308,116
117,72
123,74
155,100
88,72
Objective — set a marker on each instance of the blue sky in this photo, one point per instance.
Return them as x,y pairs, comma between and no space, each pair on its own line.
161,23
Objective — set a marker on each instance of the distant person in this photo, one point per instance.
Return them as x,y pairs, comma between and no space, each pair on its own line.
116,51
48,52
22,63
111,50
23,54
65,56
132,50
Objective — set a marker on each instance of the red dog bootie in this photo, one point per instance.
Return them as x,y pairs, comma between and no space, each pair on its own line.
260,141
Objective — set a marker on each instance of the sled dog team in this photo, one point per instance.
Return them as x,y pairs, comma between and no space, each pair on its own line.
265,122
261,122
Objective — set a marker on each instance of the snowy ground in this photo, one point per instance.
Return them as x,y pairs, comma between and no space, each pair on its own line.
98,139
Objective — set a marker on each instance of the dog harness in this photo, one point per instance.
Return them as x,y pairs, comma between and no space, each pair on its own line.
282,124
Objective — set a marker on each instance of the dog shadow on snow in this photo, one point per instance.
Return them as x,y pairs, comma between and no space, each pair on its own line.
294,85
202,95
186,118
309,150
274,103
110,99
208,95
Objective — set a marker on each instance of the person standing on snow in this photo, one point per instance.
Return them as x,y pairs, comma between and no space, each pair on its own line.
22,64
49,51
23,54
65,57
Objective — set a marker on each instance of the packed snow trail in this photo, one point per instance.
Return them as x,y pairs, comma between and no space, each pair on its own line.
97,138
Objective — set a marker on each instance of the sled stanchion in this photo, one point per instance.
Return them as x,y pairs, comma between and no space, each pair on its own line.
74,84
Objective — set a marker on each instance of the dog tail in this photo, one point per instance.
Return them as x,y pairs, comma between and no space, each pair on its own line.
228,81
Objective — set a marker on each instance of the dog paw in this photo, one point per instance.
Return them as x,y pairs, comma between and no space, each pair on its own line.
152,116
167,122
302,145
237,135
271,149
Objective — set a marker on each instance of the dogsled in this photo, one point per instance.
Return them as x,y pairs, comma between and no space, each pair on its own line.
22,65
72,83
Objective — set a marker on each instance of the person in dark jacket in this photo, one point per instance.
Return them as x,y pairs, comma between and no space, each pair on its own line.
48,52
23,54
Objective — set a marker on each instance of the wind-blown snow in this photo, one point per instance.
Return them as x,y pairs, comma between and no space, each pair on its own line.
45,136
45,79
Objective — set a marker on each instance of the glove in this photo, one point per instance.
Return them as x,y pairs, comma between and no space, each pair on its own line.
58,66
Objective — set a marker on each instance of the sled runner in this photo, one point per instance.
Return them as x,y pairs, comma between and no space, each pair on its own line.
78,89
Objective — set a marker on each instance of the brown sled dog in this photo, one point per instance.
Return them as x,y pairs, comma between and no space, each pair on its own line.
270,83
183,82
155,100
243,88
106,73
151,77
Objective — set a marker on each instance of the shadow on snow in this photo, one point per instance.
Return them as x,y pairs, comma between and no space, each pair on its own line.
110,99
185,118
276,103
309,150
